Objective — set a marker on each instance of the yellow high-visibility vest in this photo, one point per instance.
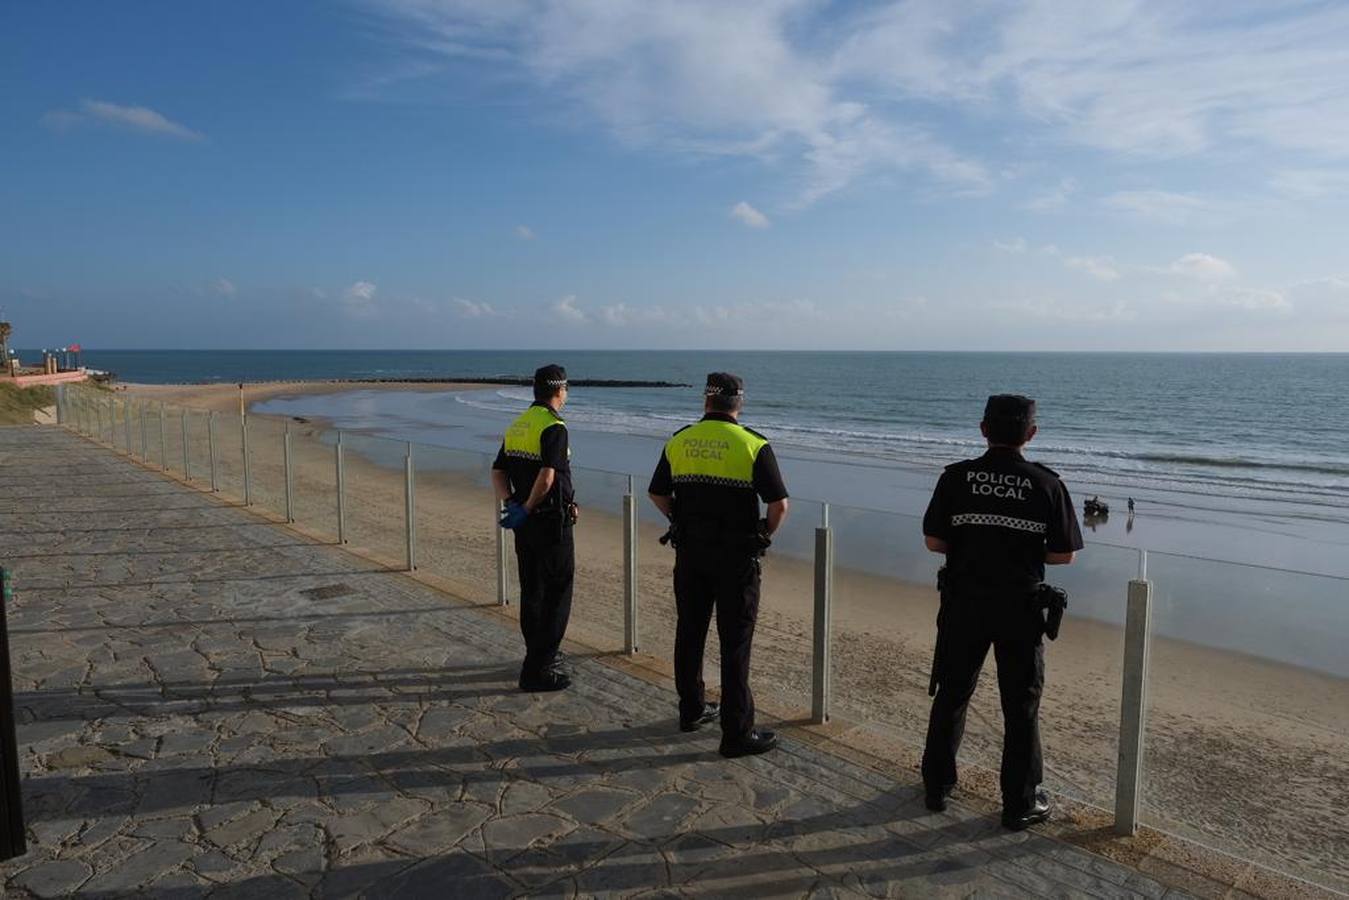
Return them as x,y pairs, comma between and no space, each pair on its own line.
524,437
714,452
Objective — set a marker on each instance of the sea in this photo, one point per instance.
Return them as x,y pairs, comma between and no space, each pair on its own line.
1238,464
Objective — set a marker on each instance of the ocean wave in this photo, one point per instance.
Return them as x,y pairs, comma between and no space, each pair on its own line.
1182,466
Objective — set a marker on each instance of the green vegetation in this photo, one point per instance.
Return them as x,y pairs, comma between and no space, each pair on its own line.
17,404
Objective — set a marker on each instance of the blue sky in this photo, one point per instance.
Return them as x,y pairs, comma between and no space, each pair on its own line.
784,173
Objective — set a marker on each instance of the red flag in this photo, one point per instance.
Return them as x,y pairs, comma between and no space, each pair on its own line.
74,348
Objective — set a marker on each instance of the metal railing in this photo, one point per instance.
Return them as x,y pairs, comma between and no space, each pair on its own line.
838,577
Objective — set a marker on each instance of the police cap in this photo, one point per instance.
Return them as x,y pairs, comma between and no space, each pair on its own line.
1009,408
551,377
724,384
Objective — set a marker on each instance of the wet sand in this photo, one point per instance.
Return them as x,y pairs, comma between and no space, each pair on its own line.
1244,754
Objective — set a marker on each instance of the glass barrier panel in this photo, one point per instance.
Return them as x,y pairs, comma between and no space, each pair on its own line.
267,464
314,475
229,456
375,488
157,426
1247,745
199,446
598,614
456,520
173,440
884,633
780,668
780,671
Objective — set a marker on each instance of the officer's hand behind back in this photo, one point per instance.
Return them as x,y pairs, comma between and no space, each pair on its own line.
514,516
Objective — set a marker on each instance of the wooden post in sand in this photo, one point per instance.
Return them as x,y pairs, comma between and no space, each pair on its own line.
821,660
630,570
163,444
1133,703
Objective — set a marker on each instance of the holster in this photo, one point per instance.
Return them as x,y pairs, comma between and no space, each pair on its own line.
1051,602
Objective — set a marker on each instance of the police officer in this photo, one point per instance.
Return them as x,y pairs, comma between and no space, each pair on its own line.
999,519
532,476
708,483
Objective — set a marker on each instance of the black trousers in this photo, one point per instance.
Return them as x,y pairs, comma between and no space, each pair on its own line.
546,554
1014,629
707,579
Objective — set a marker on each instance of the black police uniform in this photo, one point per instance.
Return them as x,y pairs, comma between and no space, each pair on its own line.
544,546
998,515
717,567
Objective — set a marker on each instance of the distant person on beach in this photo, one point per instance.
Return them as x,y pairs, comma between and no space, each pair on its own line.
708,483
532,476
1131,506
999,519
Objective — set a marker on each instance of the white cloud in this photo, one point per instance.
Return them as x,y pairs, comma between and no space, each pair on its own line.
775,312
1102,268
1253,299
622,315
524,232
1054,199
748,215
1203,267
224,287
1310,184
1015,245
1147,77
136,118
567,310
701,77
359,299
1160,206
469,309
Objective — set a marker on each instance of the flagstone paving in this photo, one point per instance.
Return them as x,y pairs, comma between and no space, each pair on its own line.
198,716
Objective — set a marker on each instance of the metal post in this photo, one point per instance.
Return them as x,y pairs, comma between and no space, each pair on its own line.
1133,707
187,462
821,688
60,404
341,494
13,841
502,598
411,510
248,482
163,444
630,635
210,445
290,490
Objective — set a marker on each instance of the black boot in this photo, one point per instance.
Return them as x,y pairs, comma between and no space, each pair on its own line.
753,743
710,713
934,796
1024,818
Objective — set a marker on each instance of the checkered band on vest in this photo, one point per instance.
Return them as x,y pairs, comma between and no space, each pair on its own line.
525,454
999,522
713,480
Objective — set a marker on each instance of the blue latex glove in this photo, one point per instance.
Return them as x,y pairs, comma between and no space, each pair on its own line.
514,516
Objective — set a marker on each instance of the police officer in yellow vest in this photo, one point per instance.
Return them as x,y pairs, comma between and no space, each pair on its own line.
708,483
532,476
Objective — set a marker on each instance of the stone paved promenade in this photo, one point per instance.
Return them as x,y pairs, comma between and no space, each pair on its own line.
210,704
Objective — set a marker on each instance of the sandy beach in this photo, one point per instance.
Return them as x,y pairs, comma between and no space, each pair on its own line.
1246,755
